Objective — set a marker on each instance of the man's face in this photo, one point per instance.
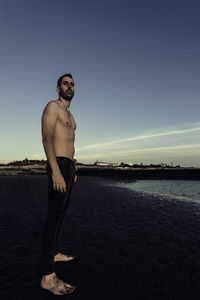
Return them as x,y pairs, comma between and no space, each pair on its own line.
66,89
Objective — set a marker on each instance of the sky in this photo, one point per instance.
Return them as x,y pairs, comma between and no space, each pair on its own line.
136,68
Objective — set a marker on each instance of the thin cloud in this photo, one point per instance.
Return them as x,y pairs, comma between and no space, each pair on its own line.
139,137
140,151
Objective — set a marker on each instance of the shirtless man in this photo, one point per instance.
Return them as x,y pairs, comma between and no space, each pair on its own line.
58,135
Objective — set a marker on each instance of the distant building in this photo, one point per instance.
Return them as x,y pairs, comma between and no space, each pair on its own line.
115,164
103,164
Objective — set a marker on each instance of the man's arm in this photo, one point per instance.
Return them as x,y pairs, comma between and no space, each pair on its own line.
49,118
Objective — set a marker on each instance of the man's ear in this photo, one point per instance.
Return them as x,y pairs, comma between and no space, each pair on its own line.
58,89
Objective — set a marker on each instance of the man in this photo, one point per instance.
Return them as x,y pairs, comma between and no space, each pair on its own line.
58,135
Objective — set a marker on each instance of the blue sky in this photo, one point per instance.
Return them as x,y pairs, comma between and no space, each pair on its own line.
136,67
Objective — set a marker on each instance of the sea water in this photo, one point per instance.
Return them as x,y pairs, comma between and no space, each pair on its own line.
188,190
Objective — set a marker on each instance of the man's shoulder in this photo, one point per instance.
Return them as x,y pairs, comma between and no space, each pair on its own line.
52,103
51,106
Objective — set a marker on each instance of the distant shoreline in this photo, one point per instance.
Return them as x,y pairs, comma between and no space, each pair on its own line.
118,172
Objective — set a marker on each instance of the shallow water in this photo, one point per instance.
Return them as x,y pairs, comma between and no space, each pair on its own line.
188,190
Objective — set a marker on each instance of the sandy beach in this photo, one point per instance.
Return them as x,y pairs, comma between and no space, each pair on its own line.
127,246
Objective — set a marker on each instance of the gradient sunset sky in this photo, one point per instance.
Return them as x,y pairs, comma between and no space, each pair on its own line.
136,67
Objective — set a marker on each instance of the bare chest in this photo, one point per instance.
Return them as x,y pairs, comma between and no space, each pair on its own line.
66,119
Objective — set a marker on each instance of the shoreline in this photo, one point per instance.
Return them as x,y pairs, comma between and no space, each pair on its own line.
119,172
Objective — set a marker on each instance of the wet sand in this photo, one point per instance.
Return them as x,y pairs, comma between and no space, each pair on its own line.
127,246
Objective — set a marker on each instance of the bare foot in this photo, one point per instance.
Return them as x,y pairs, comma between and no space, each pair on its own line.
56,285
62,257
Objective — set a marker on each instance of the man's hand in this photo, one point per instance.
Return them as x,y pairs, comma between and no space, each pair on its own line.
59,183
75,178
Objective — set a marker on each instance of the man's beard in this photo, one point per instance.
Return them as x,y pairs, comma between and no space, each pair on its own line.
65,96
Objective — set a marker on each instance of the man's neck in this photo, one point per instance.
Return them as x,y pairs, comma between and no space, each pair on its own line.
65,102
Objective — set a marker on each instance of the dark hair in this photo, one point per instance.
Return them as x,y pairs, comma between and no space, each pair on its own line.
61,77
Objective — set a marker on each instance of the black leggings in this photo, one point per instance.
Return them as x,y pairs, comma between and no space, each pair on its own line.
57,207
